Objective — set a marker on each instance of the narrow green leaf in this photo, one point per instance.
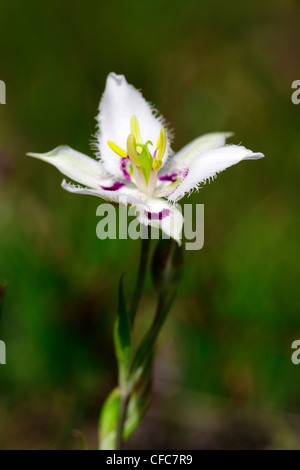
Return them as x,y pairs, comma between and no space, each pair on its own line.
138,405
108,421
78,435
140,398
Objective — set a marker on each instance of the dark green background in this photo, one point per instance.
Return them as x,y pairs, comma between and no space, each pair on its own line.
224,377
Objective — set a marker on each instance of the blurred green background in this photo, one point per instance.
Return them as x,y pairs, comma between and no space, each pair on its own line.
224,376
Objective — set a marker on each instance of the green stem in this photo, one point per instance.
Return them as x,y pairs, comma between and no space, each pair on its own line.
124,401
144,351
147,345
145,248
125,397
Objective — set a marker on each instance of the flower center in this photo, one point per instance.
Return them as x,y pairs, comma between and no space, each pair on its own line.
145,165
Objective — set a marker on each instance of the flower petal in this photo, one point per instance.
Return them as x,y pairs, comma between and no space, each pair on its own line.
160,214
75,165
120,193
185,156
177,167
208,164
121,101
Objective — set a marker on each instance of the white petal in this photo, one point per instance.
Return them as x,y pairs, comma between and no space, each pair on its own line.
121,101
186,155
160,214
75,165
208,165
126,194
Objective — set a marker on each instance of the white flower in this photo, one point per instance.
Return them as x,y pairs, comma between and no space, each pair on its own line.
136,166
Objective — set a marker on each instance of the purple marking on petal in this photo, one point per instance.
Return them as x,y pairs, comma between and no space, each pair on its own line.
124,170
171,177
158,215
114,187
182,175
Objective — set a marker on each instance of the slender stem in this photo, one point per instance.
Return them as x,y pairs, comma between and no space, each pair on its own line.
145,350
149,341
145,248
125,396
124,401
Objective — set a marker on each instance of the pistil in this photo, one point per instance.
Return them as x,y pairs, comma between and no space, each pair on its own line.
145,166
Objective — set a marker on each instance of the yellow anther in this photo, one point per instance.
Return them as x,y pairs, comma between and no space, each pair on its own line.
161,143
131,149
158,142
115,148
157,164
135,130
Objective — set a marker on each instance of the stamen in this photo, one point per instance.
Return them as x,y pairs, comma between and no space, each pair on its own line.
131,149
115,148
161,147
157,164
162,139
135,130
158,142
